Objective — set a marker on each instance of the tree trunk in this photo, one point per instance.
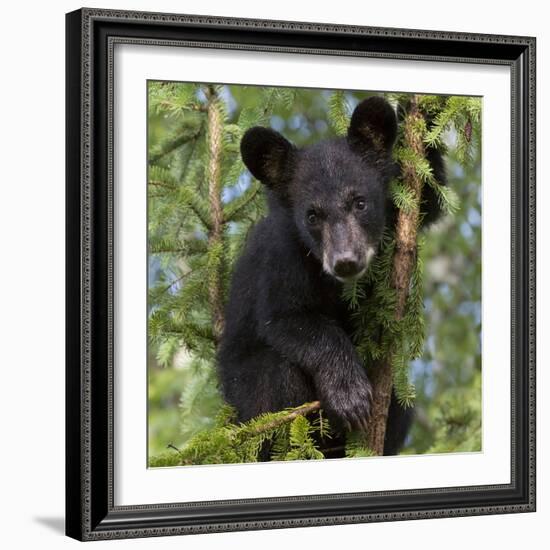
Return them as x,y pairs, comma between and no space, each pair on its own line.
404,261
215,131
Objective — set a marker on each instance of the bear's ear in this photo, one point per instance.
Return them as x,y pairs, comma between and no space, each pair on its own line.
373,126
268,155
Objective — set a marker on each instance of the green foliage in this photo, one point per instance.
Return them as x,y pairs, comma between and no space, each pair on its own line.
402,196
451,360
458,420
302,445
373,303
338,112
446,195
236,210
186,409
186,264
380,335
282,435
173,99
355,447
455,420
461,114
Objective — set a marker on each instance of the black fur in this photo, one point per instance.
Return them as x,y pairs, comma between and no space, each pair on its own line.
287,334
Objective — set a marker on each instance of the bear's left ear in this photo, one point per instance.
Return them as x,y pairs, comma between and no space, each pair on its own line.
373,126
268,156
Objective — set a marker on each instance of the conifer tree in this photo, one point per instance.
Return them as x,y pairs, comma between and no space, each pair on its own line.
202,203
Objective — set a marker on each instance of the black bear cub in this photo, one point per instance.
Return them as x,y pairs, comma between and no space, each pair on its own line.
287,335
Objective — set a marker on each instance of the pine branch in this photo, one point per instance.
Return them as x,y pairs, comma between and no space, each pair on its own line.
198,206
294,413
162,184
235,207
338,112
188,134
189,247
237,443
170,285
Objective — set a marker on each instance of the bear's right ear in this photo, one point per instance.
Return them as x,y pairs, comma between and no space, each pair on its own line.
268,155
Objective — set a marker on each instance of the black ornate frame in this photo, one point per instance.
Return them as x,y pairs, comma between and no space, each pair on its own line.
90,510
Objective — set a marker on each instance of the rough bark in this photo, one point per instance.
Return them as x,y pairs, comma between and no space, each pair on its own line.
404,261
215,131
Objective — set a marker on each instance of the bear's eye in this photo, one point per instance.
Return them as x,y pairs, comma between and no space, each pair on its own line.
311,217
359,203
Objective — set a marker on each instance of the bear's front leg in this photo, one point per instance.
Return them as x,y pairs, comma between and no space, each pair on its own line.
324,351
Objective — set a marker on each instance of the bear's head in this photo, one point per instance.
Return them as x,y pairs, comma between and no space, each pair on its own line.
335,190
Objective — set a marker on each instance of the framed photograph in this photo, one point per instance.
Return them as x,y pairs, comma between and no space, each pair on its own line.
300,274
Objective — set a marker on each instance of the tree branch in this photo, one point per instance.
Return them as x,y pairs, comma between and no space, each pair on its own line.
162,184
236,206
302,410
188,134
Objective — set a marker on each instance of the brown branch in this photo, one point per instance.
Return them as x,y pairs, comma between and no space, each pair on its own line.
404,261
302,410
215,130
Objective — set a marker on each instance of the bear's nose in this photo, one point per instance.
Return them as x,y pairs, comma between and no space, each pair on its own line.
346,267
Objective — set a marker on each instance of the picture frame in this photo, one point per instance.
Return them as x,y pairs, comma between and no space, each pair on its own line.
91,509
